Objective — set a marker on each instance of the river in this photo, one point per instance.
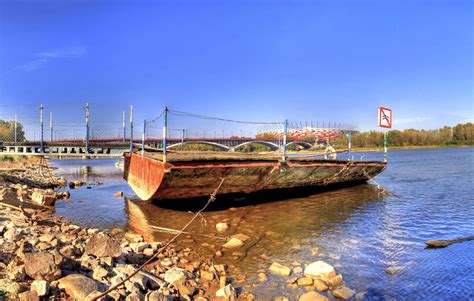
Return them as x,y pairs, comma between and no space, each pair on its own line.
360,230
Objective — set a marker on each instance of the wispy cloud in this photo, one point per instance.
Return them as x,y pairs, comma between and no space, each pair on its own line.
42,58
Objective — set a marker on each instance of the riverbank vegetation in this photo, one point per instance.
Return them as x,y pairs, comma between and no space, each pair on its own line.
461,134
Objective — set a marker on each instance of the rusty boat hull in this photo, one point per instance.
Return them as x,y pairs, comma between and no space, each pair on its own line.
197,175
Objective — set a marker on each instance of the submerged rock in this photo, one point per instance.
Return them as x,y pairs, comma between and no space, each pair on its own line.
222,227
233,243
277,268
343,292
313,296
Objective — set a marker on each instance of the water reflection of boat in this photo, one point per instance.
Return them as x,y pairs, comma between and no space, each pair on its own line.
308,215
188,175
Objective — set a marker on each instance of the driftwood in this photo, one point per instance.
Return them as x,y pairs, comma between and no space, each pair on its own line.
441,243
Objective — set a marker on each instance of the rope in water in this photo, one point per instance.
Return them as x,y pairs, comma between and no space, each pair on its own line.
212,198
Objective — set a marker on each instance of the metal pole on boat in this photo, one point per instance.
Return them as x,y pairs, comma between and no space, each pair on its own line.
131,129
41,125
349,141
385,146
285,132
165,123
182,139
50,126
123,125
143,137
87,127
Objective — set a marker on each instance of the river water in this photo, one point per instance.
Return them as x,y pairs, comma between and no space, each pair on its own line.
359,230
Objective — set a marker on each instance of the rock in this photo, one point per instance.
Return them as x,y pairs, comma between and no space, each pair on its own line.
78,286
15,271
227,293
233,243
139,246
306,281
262,277
207,275
41,287
14,289
118,194
343,292
392,270
319,285
313,296
42,266
103,245
360,296
319,269
277,268
99,273
136,296
94,295
148,252
44,197
8,194
334,281
177,276
29,296
241,237
222,227
13,234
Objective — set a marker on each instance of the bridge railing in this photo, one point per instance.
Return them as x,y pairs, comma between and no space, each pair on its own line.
177,129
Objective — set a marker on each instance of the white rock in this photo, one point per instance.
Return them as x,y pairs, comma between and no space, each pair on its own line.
41,287
222,227
320,268
227,292
233,243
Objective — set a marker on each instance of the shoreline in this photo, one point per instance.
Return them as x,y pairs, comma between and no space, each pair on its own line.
47,256
375,149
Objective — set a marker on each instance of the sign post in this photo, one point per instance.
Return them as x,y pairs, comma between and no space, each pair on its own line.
385,121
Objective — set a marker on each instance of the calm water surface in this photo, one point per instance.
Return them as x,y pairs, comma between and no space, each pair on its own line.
358,229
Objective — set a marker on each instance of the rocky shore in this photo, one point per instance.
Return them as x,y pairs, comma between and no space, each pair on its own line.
44,257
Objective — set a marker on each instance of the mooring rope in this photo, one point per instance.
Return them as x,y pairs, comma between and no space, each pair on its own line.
212,198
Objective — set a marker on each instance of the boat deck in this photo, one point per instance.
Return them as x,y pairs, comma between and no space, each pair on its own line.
236,156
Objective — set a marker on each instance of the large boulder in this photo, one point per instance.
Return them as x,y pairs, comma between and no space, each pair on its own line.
42,266
78,286
103,245
44,197
320,269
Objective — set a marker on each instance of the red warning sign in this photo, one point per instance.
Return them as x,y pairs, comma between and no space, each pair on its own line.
385,117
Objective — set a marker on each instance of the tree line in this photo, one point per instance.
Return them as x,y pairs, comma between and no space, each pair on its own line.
7,131
461,134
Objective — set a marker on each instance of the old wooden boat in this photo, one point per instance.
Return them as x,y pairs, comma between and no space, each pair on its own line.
198,174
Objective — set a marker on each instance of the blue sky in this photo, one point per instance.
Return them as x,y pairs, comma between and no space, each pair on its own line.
249,60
